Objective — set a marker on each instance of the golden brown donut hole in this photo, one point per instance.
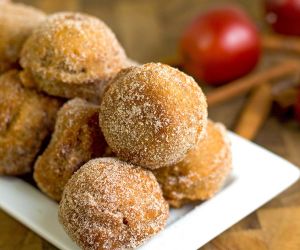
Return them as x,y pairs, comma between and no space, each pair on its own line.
110,204
152,114
201,173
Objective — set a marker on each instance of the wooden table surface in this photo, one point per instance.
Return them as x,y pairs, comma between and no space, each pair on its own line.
149,31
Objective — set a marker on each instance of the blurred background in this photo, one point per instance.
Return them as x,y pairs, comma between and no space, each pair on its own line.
151,30
148,29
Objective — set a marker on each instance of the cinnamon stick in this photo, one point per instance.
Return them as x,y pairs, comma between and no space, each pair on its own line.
281,43
255,112
246,83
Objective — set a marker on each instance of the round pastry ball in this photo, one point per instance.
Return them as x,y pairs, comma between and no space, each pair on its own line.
72,55
152,114
202,172
110,204
27,118
76,139
16,23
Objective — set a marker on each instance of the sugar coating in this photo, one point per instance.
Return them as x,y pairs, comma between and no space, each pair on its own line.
72,55
16,23
26,119
151,115
76,139
202,172
110,204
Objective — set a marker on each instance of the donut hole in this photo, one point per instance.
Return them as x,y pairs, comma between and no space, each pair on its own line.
129,217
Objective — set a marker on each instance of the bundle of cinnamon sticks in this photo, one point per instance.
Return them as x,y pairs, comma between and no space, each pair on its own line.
259,103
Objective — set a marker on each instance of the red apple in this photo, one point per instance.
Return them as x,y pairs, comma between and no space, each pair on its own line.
284,16
220,45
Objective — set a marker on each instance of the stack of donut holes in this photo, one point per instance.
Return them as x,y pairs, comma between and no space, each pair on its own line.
115,142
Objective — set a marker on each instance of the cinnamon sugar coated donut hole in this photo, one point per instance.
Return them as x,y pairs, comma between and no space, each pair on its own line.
72,55
16,23
75,140
151,115
202,172
27,118
110,204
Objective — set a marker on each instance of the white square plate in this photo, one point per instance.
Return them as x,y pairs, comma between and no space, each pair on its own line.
257,177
